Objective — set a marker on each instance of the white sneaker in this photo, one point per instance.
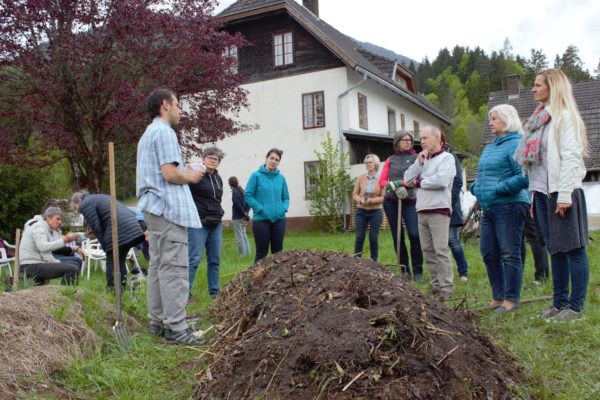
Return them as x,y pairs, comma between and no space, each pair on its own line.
464,279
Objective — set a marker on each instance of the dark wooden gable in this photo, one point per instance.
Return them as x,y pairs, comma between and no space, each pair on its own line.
256,61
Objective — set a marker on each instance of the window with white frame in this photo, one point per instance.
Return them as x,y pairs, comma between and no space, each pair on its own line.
313,110
416,127
231,53
283,49
402,122
311,173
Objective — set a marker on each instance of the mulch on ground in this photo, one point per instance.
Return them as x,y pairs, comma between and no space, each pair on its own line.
308,325
41,330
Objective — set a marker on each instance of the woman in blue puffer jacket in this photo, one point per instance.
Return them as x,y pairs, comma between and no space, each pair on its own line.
267,194
500,189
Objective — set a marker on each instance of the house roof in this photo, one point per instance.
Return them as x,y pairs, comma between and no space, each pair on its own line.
344,47
587,96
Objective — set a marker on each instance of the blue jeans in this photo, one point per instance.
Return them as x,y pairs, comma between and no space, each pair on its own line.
268,233
211,239
373,218
409,215
569,265
457,251
239,230
500,244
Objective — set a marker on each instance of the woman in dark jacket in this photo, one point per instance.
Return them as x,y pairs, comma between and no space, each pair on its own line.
95,208
455,222
391,176
500,189
239,217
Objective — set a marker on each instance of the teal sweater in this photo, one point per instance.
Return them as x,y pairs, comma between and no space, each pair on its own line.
267,194
499,177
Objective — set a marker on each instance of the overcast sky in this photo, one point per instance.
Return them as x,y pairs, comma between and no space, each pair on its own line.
421,28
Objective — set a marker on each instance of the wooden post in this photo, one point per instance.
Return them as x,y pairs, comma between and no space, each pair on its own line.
16,266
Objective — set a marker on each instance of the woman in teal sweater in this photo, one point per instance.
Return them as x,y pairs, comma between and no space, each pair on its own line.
267,194
500,189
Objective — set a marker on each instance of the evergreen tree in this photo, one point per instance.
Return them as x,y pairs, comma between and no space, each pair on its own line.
597,71
572,65
533,65
557,62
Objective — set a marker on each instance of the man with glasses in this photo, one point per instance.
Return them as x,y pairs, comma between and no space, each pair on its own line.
165,199
207,194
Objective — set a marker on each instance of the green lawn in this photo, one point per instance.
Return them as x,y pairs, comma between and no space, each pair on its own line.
559,361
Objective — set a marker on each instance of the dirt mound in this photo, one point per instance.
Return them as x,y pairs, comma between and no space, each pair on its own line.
305,325
41,329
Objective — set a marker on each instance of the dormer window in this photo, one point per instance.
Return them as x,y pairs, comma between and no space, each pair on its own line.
231,52
283,49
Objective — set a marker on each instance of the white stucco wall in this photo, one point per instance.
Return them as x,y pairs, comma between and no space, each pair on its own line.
276,105
379,100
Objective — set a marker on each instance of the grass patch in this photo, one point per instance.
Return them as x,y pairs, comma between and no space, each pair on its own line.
560,361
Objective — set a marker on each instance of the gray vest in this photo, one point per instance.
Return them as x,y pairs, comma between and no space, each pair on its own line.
399,163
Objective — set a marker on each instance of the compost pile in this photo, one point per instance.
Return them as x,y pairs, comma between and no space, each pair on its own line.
41,330
307,325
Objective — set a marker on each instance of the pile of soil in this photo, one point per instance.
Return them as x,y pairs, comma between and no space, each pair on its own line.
307,325
41,330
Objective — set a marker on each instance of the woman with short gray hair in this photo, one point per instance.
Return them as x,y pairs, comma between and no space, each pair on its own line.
37,245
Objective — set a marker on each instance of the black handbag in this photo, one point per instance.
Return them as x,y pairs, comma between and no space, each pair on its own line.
210,222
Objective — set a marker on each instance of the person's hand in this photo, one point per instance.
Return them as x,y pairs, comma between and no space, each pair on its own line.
402,193
81,253
193,176
422,156
393,185
561,209
532,211
69,237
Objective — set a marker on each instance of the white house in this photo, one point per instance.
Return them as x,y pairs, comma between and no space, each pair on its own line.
304,79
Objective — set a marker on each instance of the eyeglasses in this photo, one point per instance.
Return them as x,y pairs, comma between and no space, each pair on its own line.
406,140
368,162
212,158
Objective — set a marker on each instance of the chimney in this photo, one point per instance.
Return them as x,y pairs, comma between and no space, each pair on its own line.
312,6
512,86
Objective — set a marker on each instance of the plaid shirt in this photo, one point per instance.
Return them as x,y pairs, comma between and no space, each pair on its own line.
159,146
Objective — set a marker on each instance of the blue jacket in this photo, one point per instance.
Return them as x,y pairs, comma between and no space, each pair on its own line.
499,177
267,194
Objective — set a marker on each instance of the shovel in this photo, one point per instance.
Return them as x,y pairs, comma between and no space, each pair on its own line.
119,329
398,233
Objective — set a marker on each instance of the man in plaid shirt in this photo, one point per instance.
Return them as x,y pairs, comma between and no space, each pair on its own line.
165,199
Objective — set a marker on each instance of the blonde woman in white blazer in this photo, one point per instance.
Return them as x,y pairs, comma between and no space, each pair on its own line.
552,152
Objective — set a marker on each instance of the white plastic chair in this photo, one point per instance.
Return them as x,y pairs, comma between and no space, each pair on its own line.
5,260
93,252
131,256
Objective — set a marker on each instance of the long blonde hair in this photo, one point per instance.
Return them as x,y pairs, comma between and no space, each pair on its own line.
561,98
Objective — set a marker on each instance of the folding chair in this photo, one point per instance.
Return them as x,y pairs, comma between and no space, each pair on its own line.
93,252
5,260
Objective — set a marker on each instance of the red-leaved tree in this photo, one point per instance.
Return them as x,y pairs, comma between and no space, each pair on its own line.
75,74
